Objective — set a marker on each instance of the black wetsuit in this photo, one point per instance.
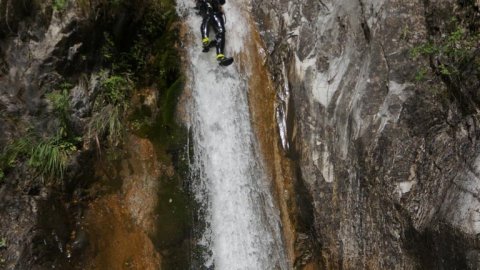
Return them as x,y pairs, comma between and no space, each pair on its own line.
212,15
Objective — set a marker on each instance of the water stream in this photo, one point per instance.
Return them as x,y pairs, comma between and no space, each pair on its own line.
241,227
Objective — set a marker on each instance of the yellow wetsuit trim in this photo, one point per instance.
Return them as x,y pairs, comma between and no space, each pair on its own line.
220,56
206,40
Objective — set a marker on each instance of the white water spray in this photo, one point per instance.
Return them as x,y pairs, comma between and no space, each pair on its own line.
242,226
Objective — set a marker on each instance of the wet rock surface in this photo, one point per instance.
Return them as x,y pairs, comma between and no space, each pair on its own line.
389,162
68,223
36,220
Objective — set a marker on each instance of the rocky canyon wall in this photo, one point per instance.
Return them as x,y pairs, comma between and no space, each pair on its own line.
375,162
90,154
379,112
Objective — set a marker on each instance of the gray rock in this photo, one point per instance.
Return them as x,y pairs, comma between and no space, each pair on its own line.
41,48
390,165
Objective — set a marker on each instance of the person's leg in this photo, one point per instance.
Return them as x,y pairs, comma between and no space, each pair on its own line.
204,29
219,26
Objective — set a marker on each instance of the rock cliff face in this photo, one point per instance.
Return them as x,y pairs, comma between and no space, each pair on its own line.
35,225
382,129
377,108
132,196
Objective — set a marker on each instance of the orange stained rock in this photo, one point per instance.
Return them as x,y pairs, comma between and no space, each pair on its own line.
262,109
115,241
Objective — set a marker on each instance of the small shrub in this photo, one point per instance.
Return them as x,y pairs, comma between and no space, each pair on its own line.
59,4
19,147
3,243
108,121
110,108
60,101
421,74
108,48
115,89
449,52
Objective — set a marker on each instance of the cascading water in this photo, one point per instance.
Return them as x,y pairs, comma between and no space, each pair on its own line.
241,224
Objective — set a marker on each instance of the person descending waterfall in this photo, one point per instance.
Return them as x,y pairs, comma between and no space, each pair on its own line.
212,13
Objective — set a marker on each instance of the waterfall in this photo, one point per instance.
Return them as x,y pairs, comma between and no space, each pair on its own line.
241,225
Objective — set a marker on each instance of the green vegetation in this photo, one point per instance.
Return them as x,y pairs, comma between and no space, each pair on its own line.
3,243
152,58
108,50
143,56
453,54
61,106
450,51
155,51
51,156
110,108
12,152
148,58
59,4
420,76
47,156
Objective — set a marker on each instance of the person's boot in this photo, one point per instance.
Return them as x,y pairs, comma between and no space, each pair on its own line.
206,44
209,44
224,61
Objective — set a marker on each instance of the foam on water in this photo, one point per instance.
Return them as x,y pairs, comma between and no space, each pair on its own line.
242,226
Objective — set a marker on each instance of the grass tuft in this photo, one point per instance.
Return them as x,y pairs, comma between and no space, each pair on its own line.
50,157
110,108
